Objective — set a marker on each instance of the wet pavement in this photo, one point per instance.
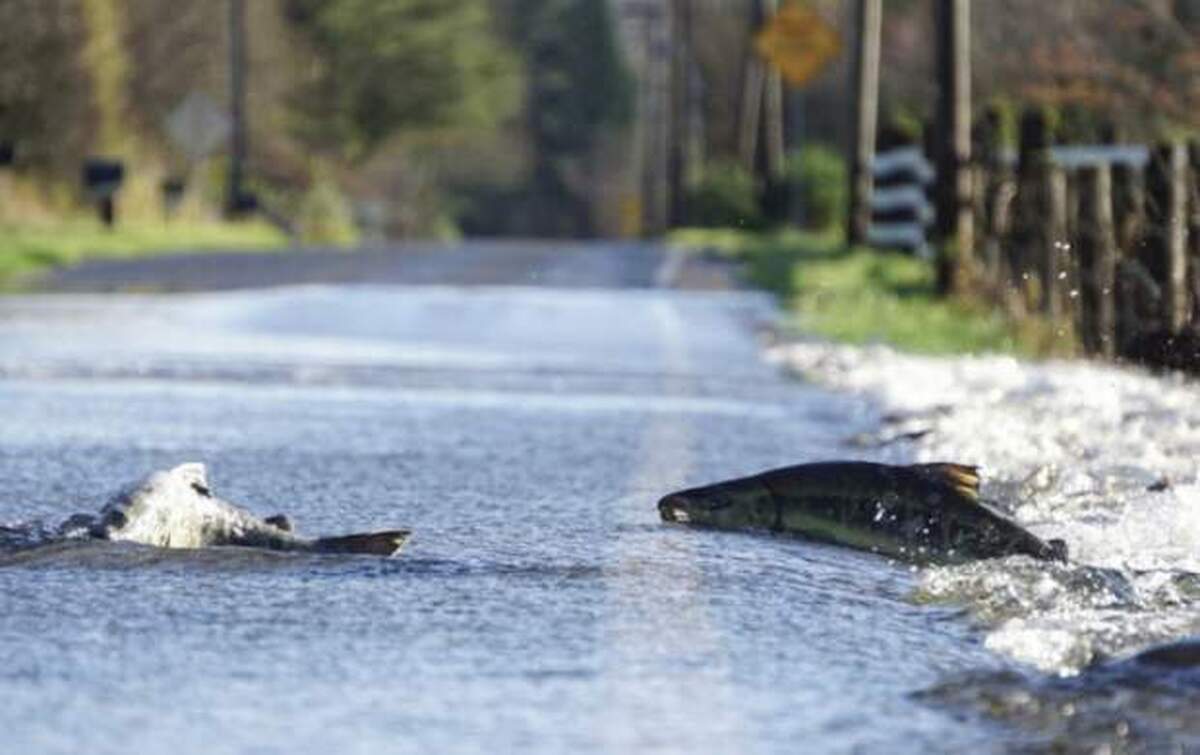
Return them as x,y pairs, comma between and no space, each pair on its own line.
533,263
522,418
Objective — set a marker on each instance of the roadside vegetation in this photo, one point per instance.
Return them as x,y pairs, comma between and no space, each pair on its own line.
27,249
851,294
862,295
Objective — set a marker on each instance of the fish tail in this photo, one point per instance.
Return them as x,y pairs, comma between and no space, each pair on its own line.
961,477
387,543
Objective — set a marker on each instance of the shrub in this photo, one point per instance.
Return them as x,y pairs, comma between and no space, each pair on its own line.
325,216
725,198
817,175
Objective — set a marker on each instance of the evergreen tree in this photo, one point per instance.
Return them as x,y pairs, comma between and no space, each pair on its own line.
577,88
391,65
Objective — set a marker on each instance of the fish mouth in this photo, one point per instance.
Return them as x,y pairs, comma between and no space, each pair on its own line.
686,509
674,508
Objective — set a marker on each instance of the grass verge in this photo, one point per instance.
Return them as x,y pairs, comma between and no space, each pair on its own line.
861,295
29,249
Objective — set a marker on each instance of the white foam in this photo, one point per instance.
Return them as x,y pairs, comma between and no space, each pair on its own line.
1104,457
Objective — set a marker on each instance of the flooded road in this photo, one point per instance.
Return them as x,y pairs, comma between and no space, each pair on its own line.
524,433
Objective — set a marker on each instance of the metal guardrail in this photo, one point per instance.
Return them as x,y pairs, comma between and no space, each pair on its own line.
900,208
901,211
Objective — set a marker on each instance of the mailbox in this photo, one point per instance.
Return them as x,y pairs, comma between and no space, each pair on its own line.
101,177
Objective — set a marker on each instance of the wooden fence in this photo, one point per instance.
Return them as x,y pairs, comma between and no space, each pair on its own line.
1102,240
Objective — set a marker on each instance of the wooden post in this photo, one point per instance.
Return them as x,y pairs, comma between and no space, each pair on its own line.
1128,198
1097,254
868,20
1055,269
1030,243
1164,249
995,188
953,156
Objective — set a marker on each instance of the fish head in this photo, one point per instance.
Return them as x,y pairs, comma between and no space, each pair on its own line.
1057,550
725,506
193,476
177,489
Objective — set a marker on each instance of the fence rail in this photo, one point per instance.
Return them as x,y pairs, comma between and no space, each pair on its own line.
1102,239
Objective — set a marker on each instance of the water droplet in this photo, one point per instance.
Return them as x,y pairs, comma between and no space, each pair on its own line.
1062,276
1074,293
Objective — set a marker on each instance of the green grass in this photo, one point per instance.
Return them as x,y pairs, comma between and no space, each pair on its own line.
29,249
861,295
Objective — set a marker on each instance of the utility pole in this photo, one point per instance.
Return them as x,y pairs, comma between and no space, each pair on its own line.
761,117
773,108
952,20
653,60
750,110
235,197
683,103
868,20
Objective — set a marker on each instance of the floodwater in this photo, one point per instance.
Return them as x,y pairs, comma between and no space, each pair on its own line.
525,435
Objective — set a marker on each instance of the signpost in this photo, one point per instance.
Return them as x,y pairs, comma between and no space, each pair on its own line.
798,42
198,126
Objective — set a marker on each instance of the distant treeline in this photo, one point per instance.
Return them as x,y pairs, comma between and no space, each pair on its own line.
428,112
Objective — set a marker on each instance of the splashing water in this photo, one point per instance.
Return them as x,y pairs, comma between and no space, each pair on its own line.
1101,456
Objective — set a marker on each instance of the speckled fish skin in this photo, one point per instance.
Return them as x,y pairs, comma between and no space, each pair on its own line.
175,509
923,513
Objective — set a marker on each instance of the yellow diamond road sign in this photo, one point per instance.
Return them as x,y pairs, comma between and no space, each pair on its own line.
798,42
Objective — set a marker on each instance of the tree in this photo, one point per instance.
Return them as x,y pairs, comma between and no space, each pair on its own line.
46,106
578,88
385,66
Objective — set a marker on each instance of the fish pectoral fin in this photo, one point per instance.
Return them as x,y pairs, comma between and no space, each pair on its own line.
387,543
962,477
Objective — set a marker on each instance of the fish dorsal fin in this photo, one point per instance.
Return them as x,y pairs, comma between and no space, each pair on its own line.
961,477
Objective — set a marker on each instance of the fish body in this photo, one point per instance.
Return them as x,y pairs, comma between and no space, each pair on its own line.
924,513
176,509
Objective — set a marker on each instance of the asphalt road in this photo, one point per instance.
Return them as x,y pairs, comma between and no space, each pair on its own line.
561,264
521,407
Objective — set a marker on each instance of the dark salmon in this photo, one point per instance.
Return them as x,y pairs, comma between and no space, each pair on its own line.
924,513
